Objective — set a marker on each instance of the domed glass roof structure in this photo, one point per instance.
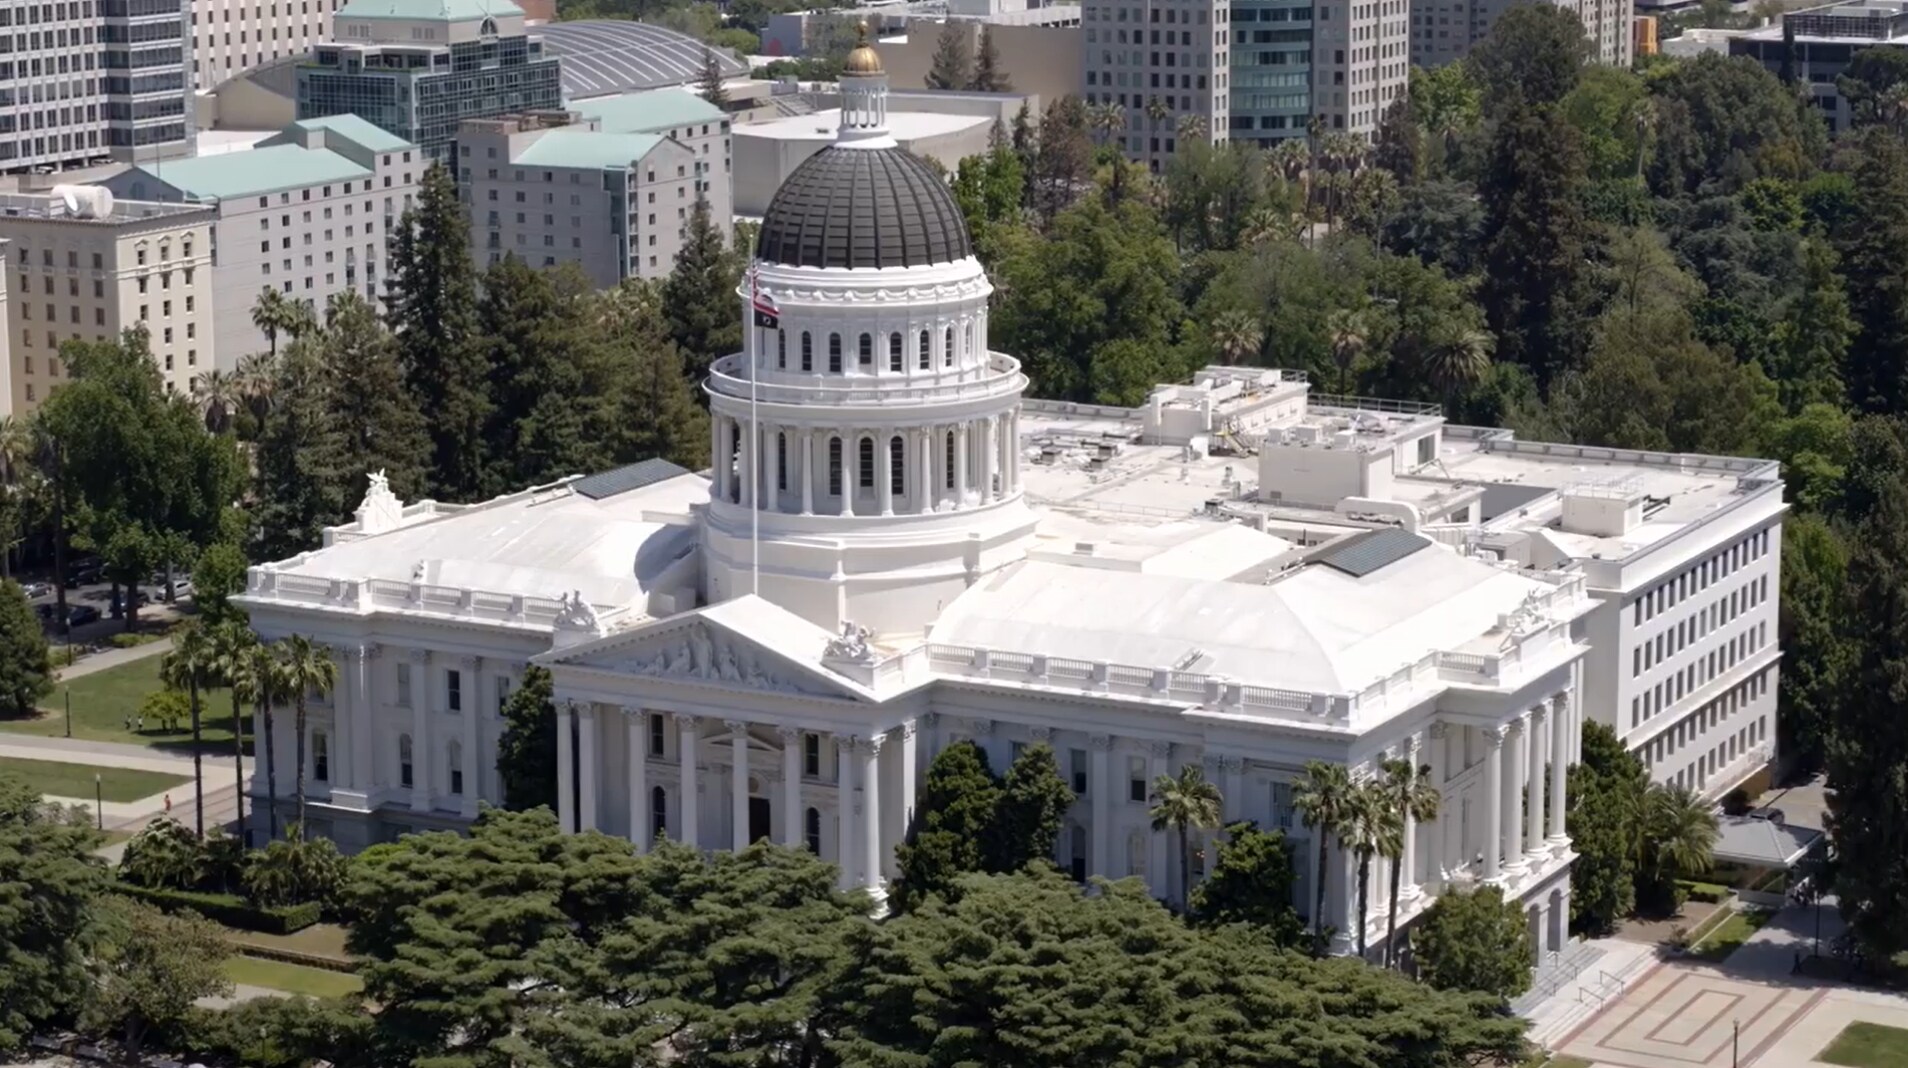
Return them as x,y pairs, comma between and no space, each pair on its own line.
863,207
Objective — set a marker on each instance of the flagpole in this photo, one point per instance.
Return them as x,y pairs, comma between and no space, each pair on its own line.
755,440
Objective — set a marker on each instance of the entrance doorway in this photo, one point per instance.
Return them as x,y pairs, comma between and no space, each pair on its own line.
759,822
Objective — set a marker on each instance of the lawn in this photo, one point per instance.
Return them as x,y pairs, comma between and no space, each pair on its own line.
1730,934
291,978
103,700
1867,1045
318,940
76,780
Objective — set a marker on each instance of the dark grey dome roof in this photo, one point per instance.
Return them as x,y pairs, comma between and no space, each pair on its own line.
862,207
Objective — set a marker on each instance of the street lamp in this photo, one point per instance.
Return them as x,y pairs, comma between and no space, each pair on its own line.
99,802
69,711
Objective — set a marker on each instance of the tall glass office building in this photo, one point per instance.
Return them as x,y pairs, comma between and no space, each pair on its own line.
1271,68
419,68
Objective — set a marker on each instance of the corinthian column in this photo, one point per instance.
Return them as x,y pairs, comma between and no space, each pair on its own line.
1494,802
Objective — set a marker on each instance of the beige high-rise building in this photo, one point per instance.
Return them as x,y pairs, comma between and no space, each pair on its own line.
84,264
1361,61
1445,30
1164,61
232,36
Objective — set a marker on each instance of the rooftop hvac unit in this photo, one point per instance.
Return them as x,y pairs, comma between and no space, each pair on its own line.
85,201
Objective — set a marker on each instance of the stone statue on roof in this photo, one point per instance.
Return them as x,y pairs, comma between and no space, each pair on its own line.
575,613
851,644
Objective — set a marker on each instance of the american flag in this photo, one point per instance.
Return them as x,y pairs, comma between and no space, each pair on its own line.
767,315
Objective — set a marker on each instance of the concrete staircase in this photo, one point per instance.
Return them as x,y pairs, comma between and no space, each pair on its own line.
1557,969
1575,984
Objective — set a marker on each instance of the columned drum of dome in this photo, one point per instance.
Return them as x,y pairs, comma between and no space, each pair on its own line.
864,447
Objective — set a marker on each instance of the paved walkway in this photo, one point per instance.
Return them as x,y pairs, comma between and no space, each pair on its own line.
112,658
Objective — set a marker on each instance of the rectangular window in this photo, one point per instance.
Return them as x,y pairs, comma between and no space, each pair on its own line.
456,778
320,757
811,755
1077,762
503,692
1136,779
404,685
656,735
454,690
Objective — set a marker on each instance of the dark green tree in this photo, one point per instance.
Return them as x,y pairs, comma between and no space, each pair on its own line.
377,423
699,296
1063,160
988,77
952,67
1877,276
710,80
527,749
1724,121
1812,338
1251,882
1605,795
953,819
50,888
216,576
300,483
1536,239
26,672
1867,81
1399,147
1531,58
538,348
651,409
1474,940
431,296
1033,802
1816,648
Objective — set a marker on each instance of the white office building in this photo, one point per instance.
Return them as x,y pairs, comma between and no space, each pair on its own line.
894,550
231,37
1443,31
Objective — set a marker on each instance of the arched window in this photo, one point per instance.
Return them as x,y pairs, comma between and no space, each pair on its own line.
924,360
834,353
781,350
781,461
658,813
894,351
456,754
834,466
808,351
1077,853
864,459
404,760
811,830
320,757
947,349
947,469
897,466
866,350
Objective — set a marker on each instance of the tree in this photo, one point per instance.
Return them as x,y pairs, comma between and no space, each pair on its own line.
263,679
1474,940
50,888
699,296
988,77
150,968
1678,842
952,821
1400,144
273,314
217,575
1063,161
951,67
1349,329
527,748
431,301
164,855
1237,335
305,670
217,396
377,424
1605,799
235,662
1871,75
26,671
1724,121
1532,58
1877,362
190,667
710,81
1536,239
651,409
1814,335
1323,799
1183,805
300,480
1250,882
1372,829
296,870
1033,801
1813,612
1409,795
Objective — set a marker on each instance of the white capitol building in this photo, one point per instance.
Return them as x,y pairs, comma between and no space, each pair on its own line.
895,550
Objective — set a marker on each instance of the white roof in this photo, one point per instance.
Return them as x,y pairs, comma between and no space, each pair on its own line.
535,544
1188,548
1317,629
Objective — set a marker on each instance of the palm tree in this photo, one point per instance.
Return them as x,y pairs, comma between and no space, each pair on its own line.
190,667
266,684
1323,800
1192,128
1236,334
1348,332
1106,120
1158,110
1183,804
272,315
1461,359
1680,832
235,660
305,670
216,394
1646,117
16,454
1372,829
1409,793
256,378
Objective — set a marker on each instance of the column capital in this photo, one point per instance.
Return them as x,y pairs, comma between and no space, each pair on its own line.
687,721
928,719
1496,735
1040,734
908,729
870,745
1232,764
1160,749
1560,701
1439,730
788,734
470,663
1413,746
736,724
632,711
982,726
419,656
1101,741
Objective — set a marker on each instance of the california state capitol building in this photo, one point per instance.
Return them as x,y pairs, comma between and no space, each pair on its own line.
895,550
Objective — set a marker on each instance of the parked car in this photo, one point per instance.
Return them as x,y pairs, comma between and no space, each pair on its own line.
81,614
37,589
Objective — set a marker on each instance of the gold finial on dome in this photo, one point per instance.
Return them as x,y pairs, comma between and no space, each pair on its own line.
863,59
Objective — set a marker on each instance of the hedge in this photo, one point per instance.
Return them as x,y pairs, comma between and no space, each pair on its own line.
228,909
1707,892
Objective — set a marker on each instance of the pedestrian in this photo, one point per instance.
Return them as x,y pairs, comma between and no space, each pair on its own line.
168,804
141,721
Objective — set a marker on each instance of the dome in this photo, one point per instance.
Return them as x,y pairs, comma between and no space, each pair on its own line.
863,59
863,207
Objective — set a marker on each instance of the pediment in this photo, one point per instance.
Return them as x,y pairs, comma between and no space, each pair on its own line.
699,650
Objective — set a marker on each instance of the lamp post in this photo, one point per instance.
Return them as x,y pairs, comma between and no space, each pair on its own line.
1735,1041
69,711
99,803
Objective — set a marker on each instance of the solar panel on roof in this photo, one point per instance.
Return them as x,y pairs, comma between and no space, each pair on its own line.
1365,553
623,479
